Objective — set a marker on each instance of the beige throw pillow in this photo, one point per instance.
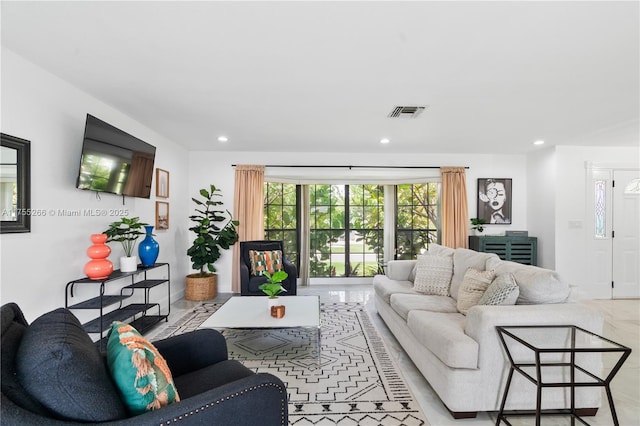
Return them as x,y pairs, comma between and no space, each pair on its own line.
473,286
433,275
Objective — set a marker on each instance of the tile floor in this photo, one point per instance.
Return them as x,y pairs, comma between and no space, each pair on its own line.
622,324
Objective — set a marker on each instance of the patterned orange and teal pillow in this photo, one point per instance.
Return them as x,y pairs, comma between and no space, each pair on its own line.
139,371
268,260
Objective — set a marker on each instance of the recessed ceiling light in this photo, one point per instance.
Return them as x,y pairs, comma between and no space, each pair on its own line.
223,139
385,140
539,142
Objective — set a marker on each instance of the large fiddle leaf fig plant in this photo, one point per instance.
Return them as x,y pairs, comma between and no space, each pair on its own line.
215,231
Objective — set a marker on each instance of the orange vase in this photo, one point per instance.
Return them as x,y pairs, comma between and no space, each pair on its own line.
99,267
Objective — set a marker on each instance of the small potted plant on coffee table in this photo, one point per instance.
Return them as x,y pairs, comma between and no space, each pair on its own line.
273,287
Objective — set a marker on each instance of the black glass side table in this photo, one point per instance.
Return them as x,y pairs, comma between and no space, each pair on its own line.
547,354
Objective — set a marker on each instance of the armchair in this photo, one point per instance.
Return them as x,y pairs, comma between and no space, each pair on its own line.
212,388
249,284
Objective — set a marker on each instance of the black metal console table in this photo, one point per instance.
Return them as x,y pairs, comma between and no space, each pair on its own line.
556,346
137,314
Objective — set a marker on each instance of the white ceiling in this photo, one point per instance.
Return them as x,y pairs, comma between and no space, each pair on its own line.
322,76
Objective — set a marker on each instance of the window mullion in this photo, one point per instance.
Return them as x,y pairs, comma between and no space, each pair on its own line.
347,233
390,221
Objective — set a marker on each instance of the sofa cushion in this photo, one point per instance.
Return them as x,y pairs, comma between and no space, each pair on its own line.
502,291
60,367
385,287
412,274
536,285
473,286
13,327
399,270
140,372
404,303
267,260
434,249
433,274
443,334
464,259
439,250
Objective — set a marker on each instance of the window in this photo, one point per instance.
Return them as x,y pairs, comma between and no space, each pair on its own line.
346,230
600,209
327,230
366,228
347,222
417,223
281,212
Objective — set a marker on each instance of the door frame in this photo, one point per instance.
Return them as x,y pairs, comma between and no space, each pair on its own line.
600,249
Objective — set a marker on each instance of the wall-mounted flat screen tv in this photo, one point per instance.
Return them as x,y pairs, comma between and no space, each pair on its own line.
113,161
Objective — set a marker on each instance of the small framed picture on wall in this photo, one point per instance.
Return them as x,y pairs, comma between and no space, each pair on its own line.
162,215
162,183
494,200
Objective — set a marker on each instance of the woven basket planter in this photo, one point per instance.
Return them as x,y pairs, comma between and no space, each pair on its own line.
198,289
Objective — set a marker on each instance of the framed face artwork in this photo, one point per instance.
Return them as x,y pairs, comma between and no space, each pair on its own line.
162,215
494,200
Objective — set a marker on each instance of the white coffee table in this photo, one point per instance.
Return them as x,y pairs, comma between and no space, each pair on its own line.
252,313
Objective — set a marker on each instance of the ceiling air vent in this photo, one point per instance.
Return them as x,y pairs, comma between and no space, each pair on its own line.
406,111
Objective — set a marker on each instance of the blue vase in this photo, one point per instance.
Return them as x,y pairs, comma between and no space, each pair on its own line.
148,249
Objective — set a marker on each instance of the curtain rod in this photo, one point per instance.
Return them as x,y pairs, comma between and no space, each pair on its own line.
353,167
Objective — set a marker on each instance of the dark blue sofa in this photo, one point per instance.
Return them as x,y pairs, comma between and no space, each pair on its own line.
213,389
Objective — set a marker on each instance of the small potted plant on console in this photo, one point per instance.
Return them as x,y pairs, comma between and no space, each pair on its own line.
126,231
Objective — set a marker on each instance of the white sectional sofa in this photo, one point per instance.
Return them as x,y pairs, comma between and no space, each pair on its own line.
460,355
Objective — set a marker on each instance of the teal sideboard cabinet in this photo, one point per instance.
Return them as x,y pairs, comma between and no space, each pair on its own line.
516,249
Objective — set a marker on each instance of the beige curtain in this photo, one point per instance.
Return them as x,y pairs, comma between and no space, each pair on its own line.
455,210
248,209
304,248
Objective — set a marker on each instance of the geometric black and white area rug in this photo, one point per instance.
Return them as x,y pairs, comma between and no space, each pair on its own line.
354,382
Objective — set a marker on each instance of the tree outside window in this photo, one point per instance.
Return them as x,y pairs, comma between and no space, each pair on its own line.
416,218
346,235
281,217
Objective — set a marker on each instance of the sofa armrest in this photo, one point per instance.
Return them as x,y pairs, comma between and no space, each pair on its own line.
244,278
493,365
482,321
258,399
292,280
399,270
192,351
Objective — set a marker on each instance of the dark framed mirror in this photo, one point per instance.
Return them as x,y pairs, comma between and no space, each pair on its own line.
15,185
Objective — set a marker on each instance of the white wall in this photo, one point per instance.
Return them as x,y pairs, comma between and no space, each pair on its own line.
570,207
541,193
215,168
548,189
36,266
